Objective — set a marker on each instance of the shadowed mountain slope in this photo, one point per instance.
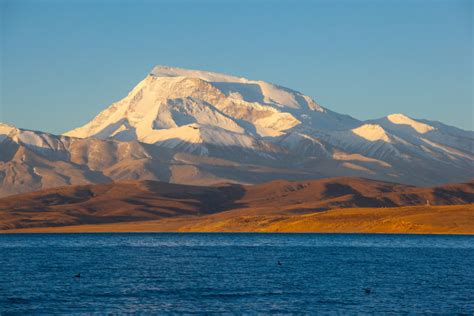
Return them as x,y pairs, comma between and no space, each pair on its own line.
150,200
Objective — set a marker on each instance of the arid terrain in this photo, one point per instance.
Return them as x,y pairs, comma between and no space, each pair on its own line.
329,205
452,219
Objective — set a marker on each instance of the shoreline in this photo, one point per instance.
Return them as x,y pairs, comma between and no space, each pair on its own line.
18,232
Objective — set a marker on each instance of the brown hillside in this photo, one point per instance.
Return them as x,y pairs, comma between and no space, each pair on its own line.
150,200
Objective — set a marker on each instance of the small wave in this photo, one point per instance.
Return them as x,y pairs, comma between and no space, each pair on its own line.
17,300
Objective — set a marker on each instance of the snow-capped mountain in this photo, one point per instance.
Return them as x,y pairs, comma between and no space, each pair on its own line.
199,127
200,107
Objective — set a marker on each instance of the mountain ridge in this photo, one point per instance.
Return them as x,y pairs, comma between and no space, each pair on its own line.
191,126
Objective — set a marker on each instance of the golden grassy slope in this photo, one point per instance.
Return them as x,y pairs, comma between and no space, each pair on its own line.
453,219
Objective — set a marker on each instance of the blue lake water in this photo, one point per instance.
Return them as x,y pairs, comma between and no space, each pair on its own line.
236,273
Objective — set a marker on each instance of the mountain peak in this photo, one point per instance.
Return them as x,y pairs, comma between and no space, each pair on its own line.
6,129
401,119
372,132
171,97
168,71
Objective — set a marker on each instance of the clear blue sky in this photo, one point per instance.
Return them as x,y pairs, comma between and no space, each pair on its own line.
64,61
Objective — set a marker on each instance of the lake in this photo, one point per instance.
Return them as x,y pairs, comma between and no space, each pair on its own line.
236,273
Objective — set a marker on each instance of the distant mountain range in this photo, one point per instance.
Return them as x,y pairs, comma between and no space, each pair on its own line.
203,128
